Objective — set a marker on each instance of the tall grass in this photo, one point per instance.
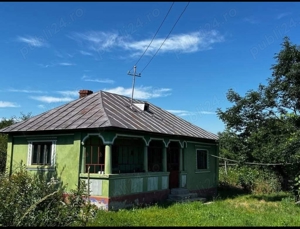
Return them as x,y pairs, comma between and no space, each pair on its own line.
237,210
247,196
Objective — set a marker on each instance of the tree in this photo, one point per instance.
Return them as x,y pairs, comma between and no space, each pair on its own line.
266,121
3,137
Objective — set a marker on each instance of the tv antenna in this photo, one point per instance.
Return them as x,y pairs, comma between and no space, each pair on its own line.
133,81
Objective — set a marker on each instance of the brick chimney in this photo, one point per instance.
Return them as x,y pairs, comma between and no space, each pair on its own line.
83,93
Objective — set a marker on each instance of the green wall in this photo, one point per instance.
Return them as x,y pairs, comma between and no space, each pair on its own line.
67,161
200,179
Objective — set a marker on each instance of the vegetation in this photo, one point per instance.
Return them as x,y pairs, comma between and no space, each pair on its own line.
263,126
34,200
3,137
241,210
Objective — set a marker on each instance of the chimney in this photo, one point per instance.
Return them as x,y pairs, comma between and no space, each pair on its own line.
84,93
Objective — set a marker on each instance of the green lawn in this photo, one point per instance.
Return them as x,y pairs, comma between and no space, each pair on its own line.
225,210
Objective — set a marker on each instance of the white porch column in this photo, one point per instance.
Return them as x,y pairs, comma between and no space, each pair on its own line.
83,160
108,162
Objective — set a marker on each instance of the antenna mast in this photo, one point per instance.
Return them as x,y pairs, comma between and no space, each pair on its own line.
133,81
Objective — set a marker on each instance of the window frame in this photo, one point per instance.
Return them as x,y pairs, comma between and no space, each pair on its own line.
207,160
30,154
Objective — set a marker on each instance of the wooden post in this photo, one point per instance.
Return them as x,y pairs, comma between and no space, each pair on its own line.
225,162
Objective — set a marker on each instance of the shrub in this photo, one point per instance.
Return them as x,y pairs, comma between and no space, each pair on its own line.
252,179
30,200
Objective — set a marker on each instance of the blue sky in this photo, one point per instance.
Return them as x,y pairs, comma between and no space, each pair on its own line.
51,50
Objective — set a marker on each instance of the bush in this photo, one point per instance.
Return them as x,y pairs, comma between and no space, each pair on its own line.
251,179
30,200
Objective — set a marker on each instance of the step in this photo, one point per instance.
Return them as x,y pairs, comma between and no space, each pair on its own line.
183,196
179,191
203,200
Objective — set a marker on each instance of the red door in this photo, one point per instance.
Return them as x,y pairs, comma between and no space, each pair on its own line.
173,167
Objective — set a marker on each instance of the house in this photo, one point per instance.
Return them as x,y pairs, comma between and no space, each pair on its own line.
129,150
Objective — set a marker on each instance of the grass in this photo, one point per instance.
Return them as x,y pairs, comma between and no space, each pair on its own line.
230,208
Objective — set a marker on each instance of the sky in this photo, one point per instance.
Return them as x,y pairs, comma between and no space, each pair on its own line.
188,54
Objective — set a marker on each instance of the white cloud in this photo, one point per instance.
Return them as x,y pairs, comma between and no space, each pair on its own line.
189,113
33,41
99,41
66,64
41,106
50,99
85,53
69,93
7,104
141,92
25,91
87,78
282,15
251,20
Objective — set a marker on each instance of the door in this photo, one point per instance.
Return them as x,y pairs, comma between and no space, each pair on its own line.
173,166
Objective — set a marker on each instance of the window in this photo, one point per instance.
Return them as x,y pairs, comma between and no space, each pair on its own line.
202,159
41,153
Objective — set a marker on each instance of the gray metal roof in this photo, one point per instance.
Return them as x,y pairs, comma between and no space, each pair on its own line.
104,109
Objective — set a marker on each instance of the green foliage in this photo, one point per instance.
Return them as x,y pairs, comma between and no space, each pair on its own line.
250,179
31,200
4,137
263,126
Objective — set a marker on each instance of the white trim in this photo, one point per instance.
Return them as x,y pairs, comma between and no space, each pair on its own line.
95,134
129,135
161,139
53,151
176,140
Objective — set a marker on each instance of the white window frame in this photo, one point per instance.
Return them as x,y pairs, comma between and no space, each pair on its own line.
53,152
207,159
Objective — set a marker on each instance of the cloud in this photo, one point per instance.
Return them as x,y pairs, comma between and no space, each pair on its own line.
251,20
69,93
66,64
7,104
87,78
85,53
25,91
50,99
56,64
141,92
98,41
282,15
189,113
41,106
33,41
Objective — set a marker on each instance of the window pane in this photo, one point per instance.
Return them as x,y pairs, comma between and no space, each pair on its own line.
41,153
201,159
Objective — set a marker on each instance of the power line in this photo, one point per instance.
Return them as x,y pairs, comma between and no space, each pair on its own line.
166,37
154,35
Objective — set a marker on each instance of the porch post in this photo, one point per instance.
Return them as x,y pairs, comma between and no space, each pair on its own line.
83,159
146,159
180,160
107,166
164,159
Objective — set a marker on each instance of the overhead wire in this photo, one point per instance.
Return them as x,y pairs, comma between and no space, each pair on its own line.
154,35
166,37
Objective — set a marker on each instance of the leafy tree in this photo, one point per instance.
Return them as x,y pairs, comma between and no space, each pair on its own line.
3,137
264,124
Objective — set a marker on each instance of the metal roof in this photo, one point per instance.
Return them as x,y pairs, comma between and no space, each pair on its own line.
104,109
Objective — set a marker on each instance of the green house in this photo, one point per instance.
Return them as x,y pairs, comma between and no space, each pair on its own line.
131,151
